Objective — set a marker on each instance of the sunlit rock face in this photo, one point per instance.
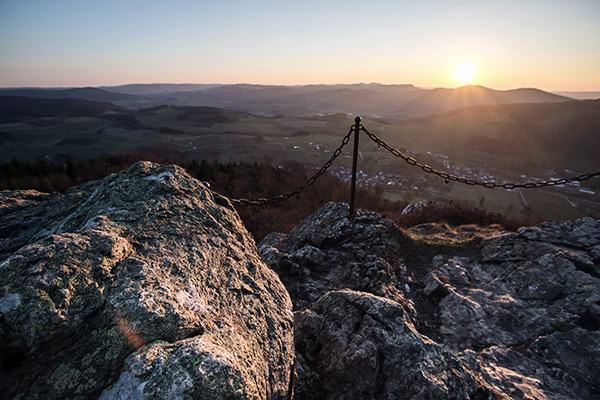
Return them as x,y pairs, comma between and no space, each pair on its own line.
142,285
441,313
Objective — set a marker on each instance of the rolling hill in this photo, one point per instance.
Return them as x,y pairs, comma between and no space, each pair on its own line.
439,100
504,141
550,133
394,102
85,93
21,109
581,95
544,132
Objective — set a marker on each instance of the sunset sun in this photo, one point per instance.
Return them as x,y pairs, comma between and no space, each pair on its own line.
464,72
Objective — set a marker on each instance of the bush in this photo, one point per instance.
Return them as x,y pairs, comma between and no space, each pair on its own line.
455,214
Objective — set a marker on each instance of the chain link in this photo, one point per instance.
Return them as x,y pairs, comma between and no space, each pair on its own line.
487,184
300,189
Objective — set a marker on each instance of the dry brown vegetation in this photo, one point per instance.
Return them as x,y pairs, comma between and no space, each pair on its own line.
251,181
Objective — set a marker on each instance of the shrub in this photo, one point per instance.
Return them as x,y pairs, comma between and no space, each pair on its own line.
455,214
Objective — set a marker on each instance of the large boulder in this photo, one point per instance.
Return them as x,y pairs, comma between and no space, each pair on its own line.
142,285
355,321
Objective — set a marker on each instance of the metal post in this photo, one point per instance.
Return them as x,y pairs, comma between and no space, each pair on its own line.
354,163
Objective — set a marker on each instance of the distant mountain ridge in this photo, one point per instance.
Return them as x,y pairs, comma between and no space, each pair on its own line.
581,95
395,102
21,108
83,93
440,100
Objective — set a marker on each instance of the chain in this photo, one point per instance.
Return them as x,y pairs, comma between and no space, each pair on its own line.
300,189
450,177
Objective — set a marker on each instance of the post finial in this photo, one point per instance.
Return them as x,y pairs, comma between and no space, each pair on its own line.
357,119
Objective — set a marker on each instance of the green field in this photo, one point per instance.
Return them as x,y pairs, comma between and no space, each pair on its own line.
550,205
495,200
542,203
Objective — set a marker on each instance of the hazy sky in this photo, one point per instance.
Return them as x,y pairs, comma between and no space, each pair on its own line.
548,44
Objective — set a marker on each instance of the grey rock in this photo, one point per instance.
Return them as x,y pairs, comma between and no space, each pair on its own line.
562,365
415,207
578,233
595,253
355,345
434,282
273,239
328,251
142,285
512,375
146,285
270,255
199,368
309,254
572,356
533,306
512,247
10,302
519,299
517,313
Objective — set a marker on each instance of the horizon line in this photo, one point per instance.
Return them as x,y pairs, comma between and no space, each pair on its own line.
293,85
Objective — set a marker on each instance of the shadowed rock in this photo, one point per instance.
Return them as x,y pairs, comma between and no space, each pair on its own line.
142,285
359,346
471,313
328,251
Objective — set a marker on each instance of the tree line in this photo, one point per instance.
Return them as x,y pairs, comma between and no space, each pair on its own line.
246,180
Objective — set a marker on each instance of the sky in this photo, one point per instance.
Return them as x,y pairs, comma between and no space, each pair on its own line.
553,45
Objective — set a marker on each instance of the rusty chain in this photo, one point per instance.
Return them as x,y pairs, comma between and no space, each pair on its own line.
487,184
300,189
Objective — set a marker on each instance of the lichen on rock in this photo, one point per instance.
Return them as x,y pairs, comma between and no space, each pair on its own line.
145,259
146,285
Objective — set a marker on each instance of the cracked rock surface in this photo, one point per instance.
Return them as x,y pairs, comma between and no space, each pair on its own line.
439,312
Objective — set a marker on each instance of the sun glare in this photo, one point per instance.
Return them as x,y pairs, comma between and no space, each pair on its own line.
464,72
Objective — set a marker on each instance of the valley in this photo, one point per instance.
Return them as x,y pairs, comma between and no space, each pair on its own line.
516,143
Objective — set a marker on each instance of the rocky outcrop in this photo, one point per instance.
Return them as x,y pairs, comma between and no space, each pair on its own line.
142,285
327,251
474,313
145,285
531,303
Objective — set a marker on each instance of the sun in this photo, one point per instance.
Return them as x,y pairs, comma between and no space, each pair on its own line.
464,72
